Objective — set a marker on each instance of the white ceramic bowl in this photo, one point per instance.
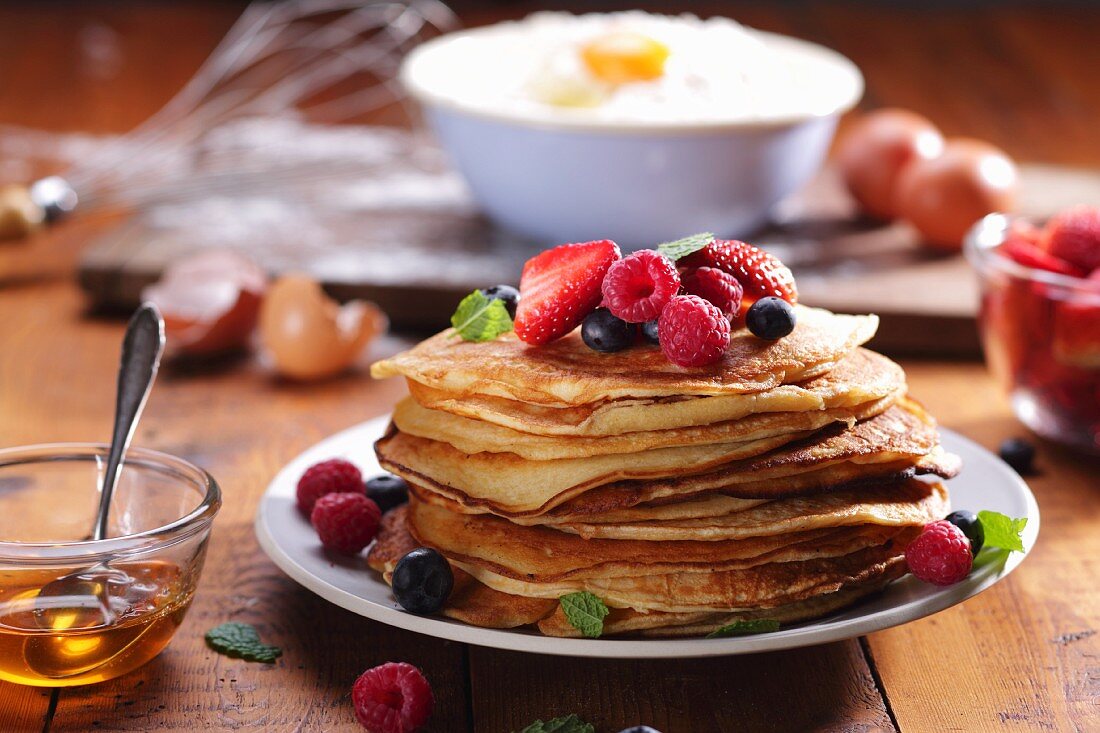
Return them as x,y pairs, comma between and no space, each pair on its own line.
568,177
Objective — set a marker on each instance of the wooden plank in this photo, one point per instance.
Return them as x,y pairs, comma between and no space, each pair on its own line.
23,709
823,688
1023,656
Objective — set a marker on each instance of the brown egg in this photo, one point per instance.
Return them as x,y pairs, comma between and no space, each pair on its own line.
945,196
210,302
310,336
874,150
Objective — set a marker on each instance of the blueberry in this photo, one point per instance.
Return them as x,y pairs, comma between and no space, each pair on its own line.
507,293
422,580
770,318
604,332
1019,454
387,491
971,526
640,729
649,332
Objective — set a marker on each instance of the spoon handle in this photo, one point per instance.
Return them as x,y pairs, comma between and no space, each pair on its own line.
141,351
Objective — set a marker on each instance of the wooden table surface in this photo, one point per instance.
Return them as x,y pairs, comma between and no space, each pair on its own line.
1023,656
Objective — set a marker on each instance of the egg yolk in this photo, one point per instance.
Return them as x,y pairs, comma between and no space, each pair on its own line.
619,58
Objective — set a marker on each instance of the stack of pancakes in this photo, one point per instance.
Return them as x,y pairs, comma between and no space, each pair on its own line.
776,484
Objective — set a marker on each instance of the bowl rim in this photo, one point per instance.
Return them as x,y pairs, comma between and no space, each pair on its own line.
428,97
990,232
178,530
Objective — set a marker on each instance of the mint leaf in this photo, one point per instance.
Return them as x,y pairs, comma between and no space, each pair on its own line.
741,628
241,641
585,611
568,724
480,318
1002,531
684,247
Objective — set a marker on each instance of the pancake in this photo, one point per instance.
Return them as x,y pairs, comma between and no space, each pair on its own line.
522,487
861,377
476,436
567,372
757,587
486,544
700,623
908,503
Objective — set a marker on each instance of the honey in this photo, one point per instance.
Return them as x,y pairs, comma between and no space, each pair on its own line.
106,622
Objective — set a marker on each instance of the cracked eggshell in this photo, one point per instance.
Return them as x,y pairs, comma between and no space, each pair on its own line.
308,335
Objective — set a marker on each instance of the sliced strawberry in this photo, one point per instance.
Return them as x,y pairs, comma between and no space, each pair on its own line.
1076,339
559,287
1029,255
760,274
1074,236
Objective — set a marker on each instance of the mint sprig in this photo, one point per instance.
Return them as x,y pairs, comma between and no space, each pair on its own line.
480,318
585,611
741,628
568,724
1002,531
683,247
241,641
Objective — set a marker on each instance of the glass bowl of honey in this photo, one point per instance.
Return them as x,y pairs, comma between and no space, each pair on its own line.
75,611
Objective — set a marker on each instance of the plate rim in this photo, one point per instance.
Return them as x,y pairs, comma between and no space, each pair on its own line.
812,634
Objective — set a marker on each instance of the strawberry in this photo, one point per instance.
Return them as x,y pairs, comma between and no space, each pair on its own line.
1076,329
559,287
1074,236
1029,255
760,274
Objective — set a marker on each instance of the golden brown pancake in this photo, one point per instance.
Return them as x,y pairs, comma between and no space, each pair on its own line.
509,485
479,542
470,601
859,378
566,372
475,436
760,586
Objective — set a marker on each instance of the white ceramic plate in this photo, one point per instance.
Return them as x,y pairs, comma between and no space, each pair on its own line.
985,483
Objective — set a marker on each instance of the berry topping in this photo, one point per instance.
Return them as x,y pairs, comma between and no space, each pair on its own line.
720,288
560,287
392,698
638,287
1030,255
505,293
759,273
770,318
602,331
327,477
971,526
387,491
1019,454
649,331
422,580
940,554
345,522
693,332
1074,236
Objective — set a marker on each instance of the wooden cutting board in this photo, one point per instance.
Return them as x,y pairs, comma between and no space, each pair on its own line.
411,240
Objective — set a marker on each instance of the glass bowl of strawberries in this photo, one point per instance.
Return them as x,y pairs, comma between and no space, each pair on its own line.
1040,318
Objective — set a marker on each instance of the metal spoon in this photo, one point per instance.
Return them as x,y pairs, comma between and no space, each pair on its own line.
80,600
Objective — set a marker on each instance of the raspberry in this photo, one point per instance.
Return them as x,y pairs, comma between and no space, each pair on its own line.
392,698
692,331
759,273
345,522
326,477
940,554
710,283
638,287
1074,236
